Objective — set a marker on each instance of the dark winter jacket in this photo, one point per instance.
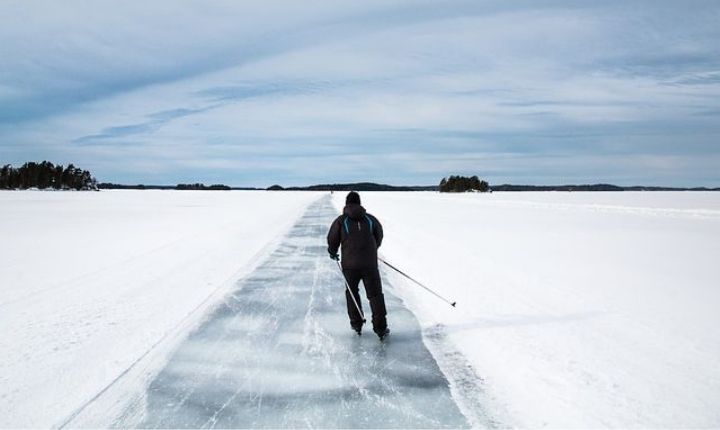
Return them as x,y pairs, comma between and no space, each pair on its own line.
360,235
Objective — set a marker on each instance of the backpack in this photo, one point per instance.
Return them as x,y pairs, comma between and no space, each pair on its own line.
347,225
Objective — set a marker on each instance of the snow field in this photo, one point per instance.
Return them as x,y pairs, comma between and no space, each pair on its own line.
89,282
576,309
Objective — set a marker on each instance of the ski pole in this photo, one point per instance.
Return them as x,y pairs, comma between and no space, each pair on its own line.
362,315
428,289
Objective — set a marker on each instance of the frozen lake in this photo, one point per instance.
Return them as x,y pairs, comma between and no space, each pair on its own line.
200,308
92,281
580,309
279,352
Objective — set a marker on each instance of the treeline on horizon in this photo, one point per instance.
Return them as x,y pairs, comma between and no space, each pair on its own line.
474,186
46,175
595,187
193,187
196,186
356,186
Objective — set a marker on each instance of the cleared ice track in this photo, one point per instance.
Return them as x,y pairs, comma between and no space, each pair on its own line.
279,352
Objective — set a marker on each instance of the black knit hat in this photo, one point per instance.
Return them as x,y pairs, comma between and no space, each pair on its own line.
352,198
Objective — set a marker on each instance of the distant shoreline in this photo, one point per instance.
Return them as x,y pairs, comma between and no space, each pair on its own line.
370,186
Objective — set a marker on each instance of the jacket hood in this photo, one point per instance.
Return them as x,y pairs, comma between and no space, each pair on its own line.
354,211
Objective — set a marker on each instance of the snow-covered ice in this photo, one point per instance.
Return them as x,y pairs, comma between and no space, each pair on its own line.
279,352
576,309
89,282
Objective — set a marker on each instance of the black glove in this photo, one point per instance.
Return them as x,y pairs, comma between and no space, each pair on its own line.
335,256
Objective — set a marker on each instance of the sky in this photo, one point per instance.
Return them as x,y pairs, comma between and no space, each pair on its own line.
255,93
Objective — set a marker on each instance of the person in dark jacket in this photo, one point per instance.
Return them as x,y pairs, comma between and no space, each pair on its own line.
359,235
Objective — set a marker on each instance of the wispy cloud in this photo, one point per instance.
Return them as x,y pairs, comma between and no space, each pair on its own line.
154,122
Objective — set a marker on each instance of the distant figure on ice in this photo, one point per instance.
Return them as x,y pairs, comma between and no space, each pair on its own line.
360,235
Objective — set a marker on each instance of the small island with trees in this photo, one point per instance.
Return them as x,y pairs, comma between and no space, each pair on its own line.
463,184
46,175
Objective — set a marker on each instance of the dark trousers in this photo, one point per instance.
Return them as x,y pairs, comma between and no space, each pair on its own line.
373,290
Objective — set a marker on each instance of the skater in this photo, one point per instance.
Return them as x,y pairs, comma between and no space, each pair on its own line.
360,235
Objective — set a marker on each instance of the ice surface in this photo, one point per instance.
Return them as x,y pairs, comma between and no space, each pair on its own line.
90,282
279,352
577,309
